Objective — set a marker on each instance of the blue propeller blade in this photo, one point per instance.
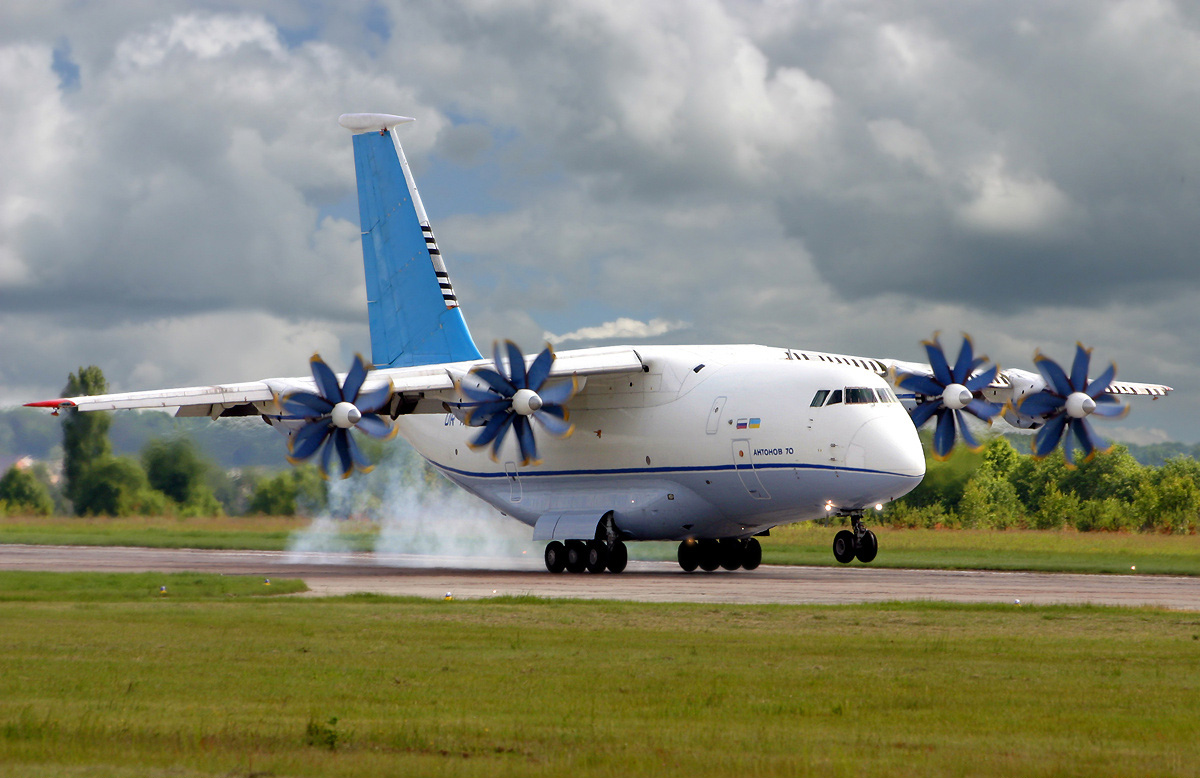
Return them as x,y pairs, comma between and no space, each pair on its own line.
965,432
981,380
306,440
922,412
965,362
302,411
1040,404
1114,410
525,441
1079,368
1049,435
555,426
920,384
982,410
354,380
943,434
342,440
327,383
308,400
493,431
480,413
1053,374
937,361
493,379
374,425
327,456
559,392
539,371
516,365
374,400
1098,387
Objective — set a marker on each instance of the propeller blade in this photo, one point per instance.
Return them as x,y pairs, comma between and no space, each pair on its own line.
301,411
478,395
1049,435
306,440
327,383
354,380
965,433
1040,404
375,400
493,379
1079,368
516,365
498,360
921,384
553,424
526,442
1098,444
1111,410
539,371
483,411
975,383
560,392
1098,387
1053,374
943,435
361,462
937,361
982,410
922,412
965,362
341,439
313,402
374,425
493,431
327,457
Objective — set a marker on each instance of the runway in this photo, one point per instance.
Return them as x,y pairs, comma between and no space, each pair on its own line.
331,574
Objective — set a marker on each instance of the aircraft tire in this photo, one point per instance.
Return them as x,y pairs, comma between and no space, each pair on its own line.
751,554
597,557
730,550
618,557
689,555
710,555
843,546
868,547
577,556
556,557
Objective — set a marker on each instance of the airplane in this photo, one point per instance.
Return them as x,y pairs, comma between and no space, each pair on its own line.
710,446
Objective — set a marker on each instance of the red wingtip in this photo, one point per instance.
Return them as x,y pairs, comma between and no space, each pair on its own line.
55,404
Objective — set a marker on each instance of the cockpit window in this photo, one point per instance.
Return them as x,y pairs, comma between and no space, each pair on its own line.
819,398
886,395
835,398
859,395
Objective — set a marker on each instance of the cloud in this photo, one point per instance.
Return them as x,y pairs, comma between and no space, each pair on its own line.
620,329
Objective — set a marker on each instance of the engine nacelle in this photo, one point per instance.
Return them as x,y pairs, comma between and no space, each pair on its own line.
1023,384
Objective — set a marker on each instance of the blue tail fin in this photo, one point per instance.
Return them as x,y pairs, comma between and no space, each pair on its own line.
411,307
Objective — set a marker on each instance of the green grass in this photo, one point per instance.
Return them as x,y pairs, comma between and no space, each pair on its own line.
23,586
1051,551
372,686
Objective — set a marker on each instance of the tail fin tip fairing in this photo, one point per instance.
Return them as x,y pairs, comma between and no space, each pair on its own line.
411,305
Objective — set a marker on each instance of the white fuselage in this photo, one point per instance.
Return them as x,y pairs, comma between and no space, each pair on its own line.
683,451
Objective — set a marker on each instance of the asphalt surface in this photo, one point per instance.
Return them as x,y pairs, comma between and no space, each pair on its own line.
424,576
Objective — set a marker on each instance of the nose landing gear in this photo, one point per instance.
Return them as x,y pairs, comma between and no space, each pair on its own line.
860,543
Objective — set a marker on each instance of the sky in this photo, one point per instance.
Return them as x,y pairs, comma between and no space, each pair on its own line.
177,201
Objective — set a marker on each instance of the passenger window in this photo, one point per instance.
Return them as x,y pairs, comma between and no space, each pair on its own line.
835,398
819,398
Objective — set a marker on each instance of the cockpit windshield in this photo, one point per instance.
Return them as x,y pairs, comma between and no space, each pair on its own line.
853,395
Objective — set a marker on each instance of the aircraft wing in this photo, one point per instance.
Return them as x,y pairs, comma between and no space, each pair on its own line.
253,398
1001,387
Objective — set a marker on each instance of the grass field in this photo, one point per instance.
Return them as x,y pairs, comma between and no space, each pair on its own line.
202,683
803,544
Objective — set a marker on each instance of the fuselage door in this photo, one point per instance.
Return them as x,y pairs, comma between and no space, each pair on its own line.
514,481
714,415
743,463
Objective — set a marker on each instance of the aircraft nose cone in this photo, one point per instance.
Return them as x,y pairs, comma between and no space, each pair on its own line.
890,445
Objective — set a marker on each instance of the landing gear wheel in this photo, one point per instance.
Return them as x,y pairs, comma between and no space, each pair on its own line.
597,557
843,547
710,555
868,547
577,556
618,557
751,554
689,555
730,550
556,556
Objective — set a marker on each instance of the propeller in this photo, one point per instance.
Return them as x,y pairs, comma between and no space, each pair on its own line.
329,415
1067,401
508,399
949,392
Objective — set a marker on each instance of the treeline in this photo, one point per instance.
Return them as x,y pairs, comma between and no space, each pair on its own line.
169,477
1001,488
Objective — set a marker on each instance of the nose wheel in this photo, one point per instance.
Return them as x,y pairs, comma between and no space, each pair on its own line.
860,544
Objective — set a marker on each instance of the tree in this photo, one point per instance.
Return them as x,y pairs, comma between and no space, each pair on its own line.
24,493
85,435
116,486
175,468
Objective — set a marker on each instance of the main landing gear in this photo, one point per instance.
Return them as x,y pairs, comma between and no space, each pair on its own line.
729,553
605,552
859,542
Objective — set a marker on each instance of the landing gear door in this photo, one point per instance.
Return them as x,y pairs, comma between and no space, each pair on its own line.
743,463
514,481
714,415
